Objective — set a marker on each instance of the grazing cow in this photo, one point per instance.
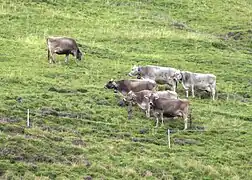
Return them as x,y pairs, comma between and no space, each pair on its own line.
200,81
135,85
62,45
173,107
162,75
141,98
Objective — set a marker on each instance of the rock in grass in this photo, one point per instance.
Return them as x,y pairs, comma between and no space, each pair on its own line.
182,141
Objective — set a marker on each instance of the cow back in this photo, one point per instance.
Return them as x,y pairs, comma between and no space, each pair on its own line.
171,106
62,43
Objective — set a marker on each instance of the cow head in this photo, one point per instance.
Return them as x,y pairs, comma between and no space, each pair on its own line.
79,55
111,85
177,76
130,97
135,71
152,98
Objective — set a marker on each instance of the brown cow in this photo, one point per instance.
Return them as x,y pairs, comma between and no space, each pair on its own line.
62,45
141,98
173,107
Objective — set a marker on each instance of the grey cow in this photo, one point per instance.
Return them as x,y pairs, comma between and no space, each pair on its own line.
200,81
62,45
162,75
141,98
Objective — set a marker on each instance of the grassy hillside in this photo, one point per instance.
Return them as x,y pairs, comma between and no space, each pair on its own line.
79,131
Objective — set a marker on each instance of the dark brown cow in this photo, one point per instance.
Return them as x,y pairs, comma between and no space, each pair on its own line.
135,85
62,45
173,107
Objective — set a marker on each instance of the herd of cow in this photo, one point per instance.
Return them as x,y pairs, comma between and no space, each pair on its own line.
143,90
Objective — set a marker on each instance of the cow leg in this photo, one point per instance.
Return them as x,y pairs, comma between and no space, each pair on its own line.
187,93
74,53
66,58
53,58
193,91
49,56
174,88
185,121
174,85
130,110
156,116
148,111
213,93
162,117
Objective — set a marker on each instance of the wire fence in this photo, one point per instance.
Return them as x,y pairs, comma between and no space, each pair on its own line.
29,114
167,135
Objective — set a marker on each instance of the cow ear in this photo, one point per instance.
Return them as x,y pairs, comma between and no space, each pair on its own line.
156,96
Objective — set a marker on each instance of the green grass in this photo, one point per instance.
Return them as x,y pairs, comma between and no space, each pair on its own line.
80,131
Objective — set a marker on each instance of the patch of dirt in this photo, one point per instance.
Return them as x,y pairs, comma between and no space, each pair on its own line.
12,129
8,120
59,90
198,128
78,142
236,35
182,141
145,140
239,96
181,26
57,113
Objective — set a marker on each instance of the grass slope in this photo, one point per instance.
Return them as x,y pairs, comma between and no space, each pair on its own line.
78,130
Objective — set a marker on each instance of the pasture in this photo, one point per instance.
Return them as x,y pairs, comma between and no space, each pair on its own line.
78,131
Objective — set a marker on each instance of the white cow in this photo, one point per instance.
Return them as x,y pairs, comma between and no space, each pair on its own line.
162,75
206,82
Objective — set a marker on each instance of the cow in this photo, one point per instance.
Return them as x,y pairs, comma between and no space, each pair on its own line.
62,45
199,81
135,85
141,98
173,107
162,75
